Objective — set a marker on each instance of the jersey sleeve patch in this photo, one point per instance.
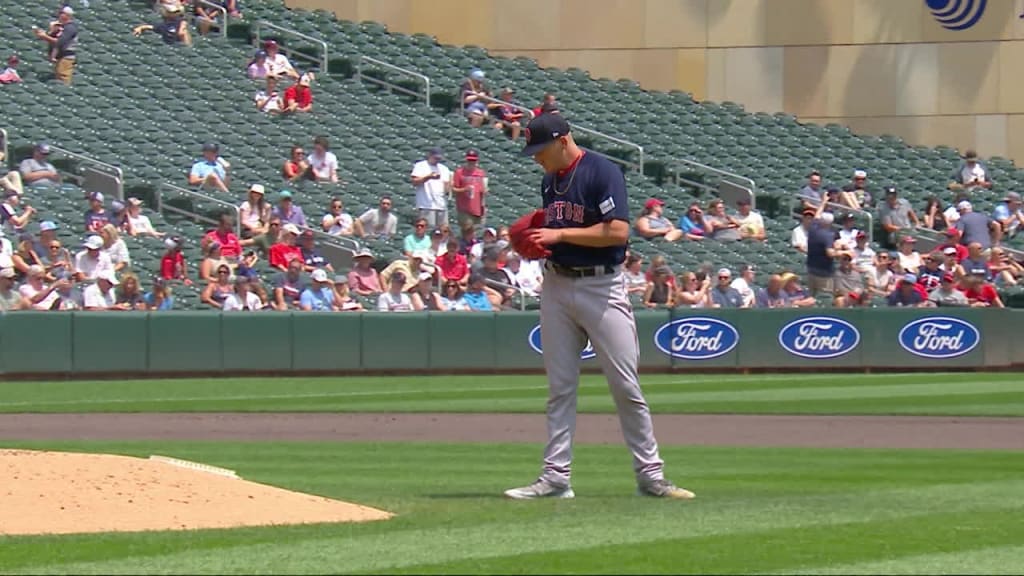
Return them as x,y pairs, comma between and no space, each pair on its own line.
606,206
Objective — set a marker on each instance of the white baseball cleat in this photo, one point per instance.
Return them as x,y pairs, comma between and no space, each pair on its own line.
540,489
664,489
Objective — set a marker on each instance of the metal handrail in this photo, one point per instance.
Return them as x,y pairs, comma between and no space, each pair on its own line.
260,24
340,242
390,86
503,285
223,28
161,207
798,201
118,174
638,166
743,180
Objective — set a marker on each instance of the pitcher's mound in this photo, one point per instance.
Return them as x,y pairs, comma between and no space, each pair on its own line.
66,493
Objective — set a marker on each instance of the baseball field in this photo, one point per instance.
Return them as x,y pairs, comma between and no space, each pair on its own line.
887,473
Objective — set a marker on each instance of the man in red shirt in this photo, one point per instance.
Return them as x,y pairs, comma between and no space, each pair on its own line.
230,247
953,239
469,184
979,293
298,97
549,100
454,265
172,265
286,249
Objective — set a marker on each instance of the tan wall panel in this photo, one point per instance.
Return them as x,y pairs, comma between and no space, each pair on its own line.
1015,137
887,21
990,137
715,78
956,131
511,23
674,23
590,24
474,25
749,76
736,22
969,78
883,80
807,22
692,72
1011,80
806,80
396,14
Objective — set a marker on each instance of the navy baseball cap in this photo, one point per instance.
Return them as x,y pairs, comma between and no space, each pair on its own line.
543,130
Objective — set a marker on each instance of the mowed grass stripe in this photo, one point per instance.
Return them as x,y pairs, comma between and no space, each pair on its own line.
995,560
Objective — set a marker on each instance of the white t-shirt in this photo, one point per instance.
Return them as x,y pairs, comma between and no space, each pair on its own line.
118,252
250,214
93,297
848,237
323,166
951,215
799,237
431,194
338,224
6,252
863,260
741,286
528,279
390,303
968,173
910,262
278,65
274,105
140,224
28,292
234,303
91,267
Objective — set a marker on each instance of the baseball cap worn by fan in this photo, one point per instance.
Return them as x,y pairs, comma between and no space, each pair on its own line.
543,130
472,155
46,226
319,275
291,229
93,243
652,203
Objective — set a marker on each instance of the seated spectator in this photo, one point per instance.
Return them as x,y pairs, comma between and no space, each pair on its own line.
287,249
979,292
772,295
896,214
506,115
129,297
337,222
467,241
880,279
692,224
10,73
323,164
424,297
288,287
362,278
652,223
35,290
933,215
453,266
410,269
11,181
224,234
1009,216
723,226
12,221
312,258
798,239
659,261
268,100
971,174
296,167
693,291
525,275
549,100
951,213
861,198
11,299
453,300
119,215
846,280
847,231
1005,271
497,280
751,222
247,266
344,301
476,296
257,67
96,217
909,258
159,298
438,246
975,226
811,194
298,97
92,261
172,264
219,287
947,294
242,298
115,248
952,241
277,63
796,295
255,213
55,259
929,275
211,170
37,170
474,95
744,284
976,260
417,241
907,293
319,294
379,222
659,292
100,294
863,255
723,295
263,242
396,299
213,259
138,224
489,241
950,262
24,257
287,211
172,28
636,282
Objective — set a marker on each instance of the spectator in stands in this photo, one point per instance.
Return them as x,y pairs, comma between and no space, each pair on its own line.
438,245
129,297
288,211
312,258
288,287
396,299
652,223
1005,271
953,241
951,213
296,167
846,280
286,249
40,295
115,248
821,254
319,295
772,295
63,44
909,258
47,234
550,100
277,63
950,262
337,222
896,213
362,278
636,281
159,298
206,17
453,299
24,257
811,194
659,261
323,164
219,288
242,299
469,185
750,221
933,216
476,296
255,212
971,174
857,194
342,297
744,284
10,72
100,294
268,99
467,241
13,222
659,292
975,226
528,276
929,275
213,259
418,240
488,242
976,259
379,222
11,181
694,291
424,297
881,279
847,231
224,234
979,292
257,68
247,266
1009,215
474,94
172,264
908,293
96,217
69,296
37,170
172,28
410,269
452,264
723,227
947,294
501,285
211,169
796,295
56,259
11,299
137,223
298,97
92,260
692,224
723,295
433,181
508,117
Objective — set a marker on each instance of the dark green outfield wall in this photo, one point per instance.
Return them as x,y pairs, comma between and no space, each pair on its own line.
203,342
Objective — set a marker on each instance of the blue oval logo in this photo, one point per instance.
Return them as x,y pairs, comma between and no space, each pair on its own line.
956,14
819,337
696,338
534,340
939,337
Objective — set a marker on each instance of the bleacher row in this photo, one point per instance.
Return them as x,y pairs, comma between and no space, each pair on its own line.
147,107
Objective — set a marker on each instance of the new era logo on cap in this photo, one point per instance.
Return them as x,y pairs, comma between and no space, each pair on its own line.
543,130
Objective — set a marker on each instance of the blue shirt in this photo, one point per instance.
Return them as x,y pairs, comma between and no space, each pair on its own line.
591,192
414,244
317,300
478,301
166,304
204,168
689,226
819,240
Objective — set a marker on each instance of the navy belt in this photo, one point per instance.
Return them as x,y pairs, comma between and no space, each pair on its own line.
581,271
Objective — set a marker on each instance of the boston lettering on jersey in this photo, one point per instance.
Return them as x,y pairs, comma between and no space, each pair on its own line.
590,192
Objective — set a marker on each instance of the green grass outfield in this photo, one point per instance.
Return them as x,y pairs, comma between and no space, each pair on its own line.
758,511
995,394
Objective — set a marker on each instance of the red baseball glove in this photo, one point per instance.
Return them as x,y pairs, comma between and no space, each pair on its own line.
519,233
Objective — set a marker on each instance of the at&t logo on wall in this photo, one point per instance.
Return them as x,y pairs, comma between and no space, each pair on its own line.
534,339
819,337
939,337
697,338
956,14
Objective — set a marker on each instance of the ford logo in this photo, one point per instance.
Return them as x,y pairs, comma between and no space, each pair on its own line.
534,340
956,14
939,337
819,337
696,338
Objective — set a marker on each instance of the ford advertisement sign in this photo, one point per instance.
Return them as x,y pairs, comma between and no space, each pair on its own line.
534,340
819,337
939,337
697,338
